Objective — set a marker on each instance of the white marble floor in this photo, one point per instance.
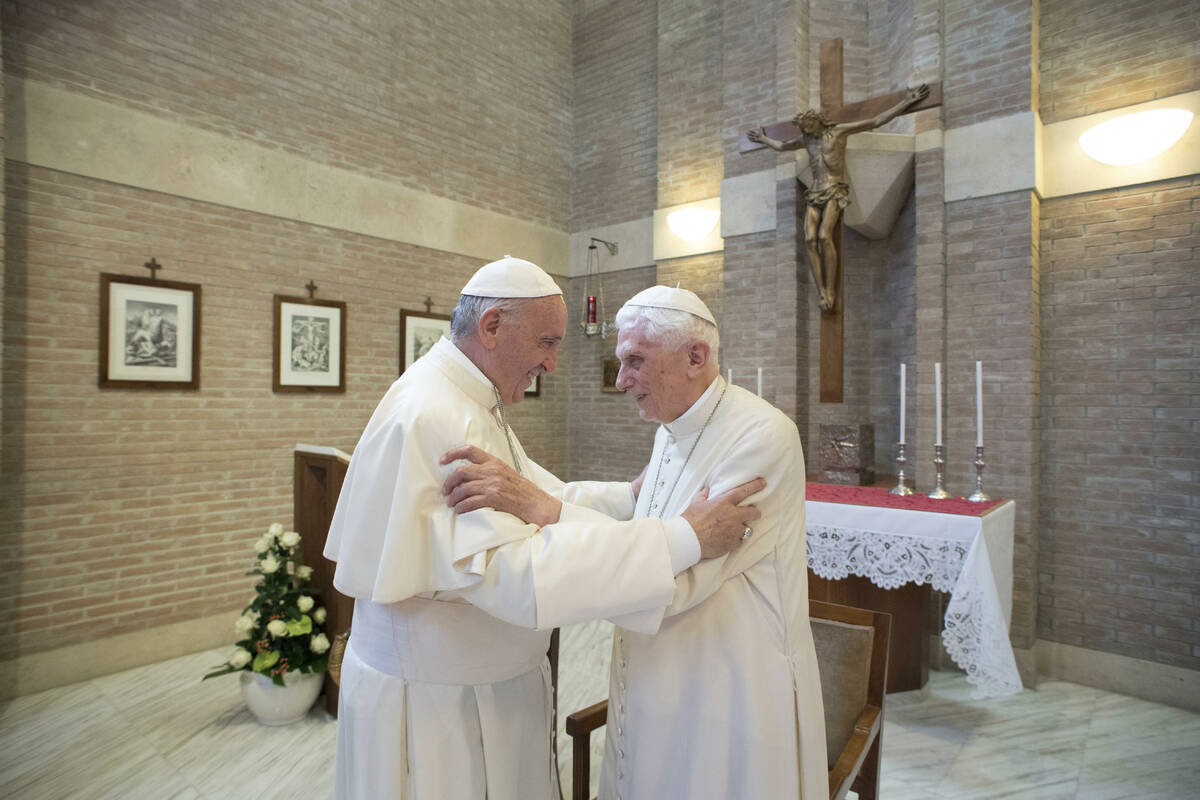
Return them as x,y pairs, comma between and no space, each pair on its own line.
158,732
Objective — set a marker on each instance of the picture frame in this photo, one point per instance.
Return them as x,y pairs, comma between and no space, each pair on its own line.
419,331
149,333
309,349
610,366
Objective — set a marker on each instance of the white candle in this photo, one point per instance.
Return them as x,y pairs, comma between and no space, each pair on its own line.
937,399
902,398
979,404
760,381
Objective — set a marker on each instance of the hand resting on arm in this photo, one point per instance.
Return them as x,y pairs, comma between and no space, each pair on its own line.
488,482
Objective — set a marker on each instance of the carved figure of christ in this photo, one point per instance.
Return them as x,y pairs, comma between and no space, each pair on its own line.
823,135
829,193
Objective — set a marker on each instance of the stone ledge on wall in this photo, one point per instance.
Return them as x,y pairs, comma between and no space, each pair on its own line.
69,132
1018,152
36,672
1149,680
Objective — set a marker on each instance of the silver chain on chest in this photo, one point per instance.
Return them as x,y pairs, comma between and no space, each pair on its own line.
507,433
662,456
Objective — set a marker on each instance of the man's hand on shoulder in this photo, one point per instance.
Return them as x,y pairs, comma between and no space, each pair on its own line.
487,482
719,522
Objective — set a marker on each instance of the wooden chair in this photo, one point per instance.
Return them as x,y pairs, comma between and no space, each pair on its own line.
852,647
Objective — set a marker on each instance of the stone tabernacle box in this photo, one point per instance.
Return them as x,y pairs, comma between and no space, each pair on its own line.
846,454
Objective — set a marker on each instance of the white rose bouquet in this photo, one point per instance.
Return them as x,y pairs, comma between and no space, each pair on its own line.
281,626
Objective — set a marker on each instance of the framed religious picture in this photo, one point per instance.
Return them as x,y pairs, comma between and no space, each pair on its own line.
310,345
535,388
419,331
609,369
149,333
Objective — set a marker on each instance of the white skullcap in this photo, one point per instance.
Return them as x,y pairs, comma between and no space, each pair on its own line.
673,299
511,277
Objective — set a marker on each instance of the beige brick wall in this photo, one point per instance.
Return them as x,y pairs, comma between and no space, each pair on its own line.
123,510
606,440
1120,465
132,508
991,316
466,100
1117,506
615,111
690,144
989,59
1097,55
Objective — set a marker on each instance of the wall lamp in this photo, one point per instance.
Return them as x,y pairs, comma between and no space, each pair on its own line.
1137,137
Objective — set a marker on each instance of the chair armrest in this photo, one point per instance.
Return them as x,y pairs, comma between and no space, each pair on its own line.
866,728
584,721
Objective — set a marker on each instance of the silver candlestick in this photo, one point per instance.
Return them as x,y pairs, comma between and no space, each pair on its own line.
939,462
978,496
900,488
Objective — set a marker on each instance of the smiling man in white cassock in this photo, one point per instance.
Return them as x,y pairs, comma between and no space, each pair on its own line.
445,686
724,701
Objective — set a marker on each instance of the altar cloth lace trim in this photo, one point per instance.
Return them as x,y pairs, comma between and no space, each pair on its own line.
975,635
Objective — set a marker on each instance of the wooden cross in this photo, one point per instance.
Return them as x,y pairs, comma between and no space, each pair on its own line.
428,305
833,108
312,288
154,267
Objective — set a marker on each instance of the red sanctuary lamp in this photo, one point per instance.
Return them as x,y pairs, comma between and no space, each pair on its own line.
594,308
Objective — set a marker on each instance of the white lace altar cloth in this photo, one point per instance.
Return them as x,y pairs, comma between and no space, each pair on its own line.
968,556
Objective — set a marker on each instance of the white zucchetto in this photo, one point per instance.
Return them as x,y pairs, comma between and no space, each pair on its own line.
673,299
511,277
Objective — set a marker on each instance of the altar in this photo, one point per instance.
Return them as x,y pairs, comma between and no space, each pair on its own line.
954,546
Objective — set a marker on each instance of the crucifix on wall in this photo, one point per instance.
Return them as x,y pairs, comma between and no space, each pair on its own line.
823,135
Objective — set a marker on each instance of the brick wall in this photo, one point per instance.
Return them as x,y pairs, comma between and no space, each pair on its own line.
1097,55
989,59
1119,513
765,62
606,440
132,508
127,509
893,336
363,86
615,110
690,94
991,316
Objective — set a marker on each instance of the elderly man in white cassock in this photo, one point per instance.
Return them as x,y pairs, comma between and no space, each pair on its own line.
724,700
445,686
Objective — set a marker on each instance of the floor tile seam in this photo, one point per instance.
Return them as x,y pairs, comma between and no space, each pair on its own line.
145,737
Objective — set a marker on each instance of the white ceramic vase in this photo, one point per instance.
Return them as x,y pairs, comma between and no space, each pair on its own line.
280,705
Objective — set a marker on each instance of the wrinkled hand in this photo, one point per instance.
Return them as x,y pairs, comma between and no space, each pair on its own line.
487,482
916,93
719,522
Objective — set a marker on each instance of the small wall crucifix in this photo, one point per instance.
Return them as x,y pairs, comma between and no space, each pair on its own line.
154,267
823,134
312,288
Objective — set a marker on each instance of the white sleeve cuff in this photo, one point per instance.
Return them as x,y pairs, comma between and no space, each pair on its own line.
682,544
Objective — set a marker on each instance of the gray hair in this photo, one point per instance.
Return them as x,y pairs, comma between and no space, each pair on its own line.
464,320
674,329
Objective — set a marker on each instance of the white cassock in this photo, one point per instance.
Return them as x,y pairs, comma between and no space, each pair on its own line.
445,687
725,700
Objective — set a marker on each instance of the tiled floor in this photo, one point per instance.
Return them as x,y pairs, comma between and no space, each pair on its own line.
158,732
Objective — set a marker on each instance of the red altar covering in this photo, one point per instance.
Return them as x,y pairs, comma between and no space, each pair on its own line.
872,496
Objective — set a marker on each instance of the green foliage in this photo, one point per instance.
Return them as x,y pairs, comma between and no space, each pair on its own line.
298,643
